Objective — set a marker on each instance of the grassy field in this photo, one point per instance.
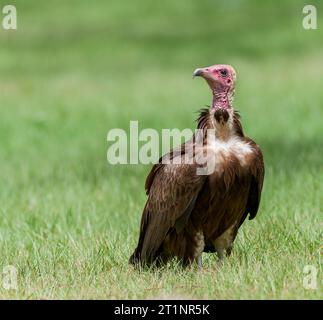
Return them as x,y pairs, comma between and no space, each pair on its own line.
76,69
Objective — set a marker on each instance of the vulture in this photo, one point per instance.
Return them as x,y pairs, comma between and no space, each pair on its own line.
198,204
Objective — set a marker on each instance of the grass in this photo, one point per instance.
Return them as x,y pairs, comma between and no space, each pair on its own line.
73,71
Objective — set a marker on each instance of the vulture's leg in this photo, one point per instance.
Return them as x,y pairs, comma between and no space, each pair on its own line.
221,254
229,251
223,244
199,262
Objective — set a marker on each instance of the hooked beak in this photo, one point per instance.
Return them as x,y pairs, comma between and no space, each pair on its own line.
198,72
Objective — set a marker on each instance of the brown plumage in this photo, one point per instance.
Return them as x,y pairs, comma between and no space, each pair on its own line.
187,212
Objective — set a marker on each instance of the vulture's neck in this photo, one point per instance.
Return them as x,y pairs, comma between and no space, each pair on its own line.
223,122
221,117
221,100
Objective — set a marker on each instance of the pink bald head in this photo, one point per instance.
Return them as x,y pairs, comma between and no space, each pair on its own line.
221,79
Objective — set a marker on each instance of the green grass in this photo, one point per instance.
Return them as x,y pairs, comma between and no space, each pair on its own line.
74,70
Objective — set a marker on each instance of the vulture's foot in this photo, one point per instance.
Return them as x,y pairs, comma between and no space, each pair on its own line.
199,262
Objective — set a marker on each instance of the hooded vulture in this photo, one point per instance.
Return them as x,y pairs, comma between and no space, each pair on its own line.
198,206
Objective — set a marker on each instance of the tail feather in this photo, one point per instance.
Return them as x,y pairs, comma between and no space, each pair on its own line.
135,258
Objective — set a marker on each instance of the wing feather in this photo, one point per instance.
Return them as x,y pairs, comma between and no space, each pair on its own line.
258,173
172,191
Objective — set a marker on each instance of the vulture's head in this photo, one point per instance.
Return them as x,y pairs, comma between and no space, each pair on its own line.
221,79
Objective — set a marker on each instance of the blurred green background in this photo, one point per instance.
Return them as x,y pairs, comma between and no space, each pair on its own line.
76,69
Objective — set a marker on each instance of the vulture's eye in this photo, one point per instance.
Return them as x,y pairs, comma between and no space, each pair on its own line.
223,73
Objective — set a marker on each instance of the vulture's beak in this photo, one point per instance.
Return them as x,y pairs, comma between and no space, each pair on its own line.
197,73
